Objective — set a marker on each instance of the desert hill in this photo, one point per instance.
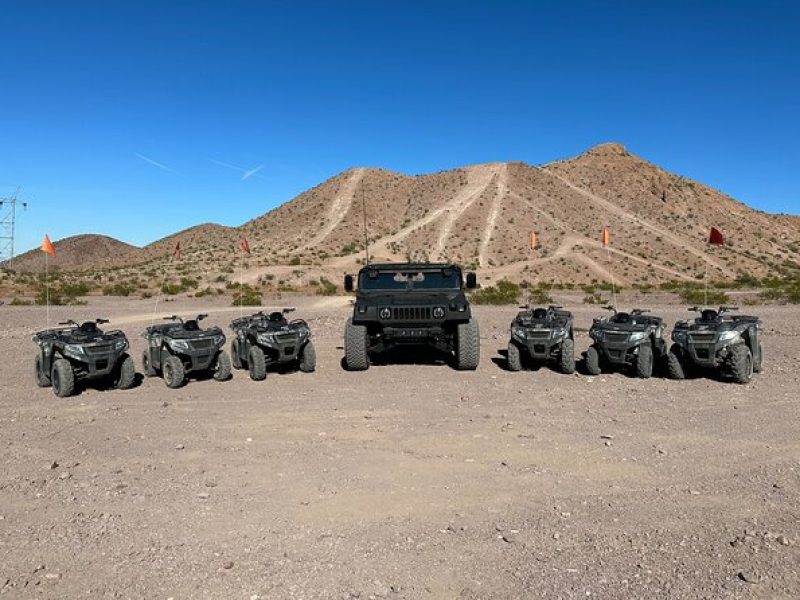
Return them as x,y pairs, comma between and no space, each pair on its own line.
74,253
482,216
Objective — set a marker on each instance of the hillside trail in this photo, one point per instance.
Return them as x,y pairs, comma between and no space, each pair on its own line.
624,214
340,205
491,220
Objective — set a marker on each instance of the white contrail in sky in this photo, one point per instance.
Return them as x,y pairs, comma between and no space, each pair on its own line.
246,173
155,163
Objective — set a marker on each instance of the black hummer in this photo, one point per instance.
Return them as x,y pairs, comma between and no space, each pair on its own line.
181,347
268,339
82,352
714,340
623,339
411,304
542,334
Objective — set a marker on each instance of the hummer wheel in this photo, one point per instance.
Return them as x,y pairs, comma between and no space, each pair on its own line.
125,375
644,361
173,372
42,379
147,366
593,361
566,358
468,348
513,357
741,363
258,364
356,356
308,358
63,378
674,363
222,366
236,361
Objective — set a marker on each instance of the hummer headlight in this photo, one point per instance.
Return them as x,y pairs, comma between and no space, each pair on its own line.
438,312
385,313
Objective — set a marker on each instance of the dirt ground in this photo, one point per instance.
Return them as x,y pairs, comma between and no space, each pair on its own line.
404,481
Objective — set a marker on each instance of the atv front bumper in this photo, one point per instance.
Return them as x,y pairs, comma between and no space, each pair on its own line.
94,366
283,351
618,353
199,360
541,346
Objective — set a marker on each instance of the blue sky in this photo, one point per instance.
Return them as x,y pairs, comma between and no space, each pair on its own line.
95,93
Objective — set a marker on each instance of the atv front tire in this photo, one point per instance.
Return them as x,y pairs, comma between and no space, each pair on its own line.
644,361
308,358
147,366
356,356
741,363
222,366
674,364
173,371
63,378
42,379
593,361
566,359
468,346
126,373
513,357
258,364
236,361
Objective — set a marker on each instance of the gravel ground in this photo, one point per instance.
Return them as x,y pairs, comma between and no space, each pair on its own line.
404,481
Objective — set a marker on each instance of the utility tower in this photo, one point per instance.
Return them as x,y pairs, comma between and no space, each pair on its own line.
8,222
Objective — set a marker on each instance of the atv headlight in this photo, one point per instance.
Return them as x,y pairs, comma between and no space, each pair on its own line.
120,345
179,345
219,340
638,336
559,331
438,312
728,336
266,338
595,334
679,335
74,350
518,332
385,313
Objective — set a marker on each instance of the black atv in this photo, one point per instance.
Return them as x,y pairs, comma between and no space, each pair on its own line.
269,339
178,348
409,305
82,352
626,339
542,335
731,344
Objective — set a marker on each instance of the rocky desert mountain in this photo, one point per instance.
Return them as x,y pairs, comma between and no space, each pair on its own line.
78,252
482,216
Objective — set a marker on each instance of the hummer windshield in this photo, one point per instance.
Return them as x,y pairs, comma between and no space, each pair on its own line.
441,279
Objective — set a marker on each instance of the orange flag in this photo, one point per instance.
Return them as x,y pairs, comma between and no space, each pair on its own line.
604,238
715,237
47,246
245,245
533,240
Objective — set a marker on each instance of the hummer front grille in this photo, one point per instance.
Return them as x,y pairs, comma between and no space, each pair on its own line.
411,313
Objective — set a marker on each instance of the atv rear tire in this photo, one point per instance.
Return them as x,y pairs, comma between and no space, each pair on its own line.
125,375
173,371
741,363
356,356
644,361
42,380
308,358
147,367
222,366
236,361
566,358
257,363
468,346
593,360
675,364
513,357
63,378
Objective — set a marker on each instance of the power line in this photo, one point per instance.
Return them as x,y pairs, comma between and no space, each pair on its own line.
8,224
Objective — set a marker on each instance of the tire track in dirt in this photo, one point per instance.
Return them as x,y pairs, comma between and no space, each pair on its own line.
340,205
502,188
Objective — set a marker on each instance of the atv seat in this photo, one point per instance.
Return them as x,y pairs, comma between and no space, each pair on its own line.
191,325
621,318
540,313
88,327
709,315
276,317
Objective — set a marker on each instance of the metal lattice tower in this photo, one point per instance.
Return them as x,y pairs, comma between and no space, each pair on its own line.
8,223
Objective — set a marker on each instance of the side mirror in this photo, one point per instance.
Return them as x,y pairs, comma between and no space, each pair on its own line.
472,281
348,283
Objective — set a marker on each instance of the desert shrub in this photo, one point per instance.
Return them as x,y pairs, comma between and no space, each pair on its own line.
594,298
503,292
118,289
326,287
19,302
699,296
539,296
245,295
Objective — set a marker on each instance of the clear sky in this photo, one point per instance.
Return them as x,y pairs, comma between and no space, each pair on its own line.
112,114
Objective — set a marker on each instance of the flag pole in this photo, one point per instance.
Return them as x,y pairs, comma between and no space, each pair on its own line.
241,285
160,287
47,290
705,283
